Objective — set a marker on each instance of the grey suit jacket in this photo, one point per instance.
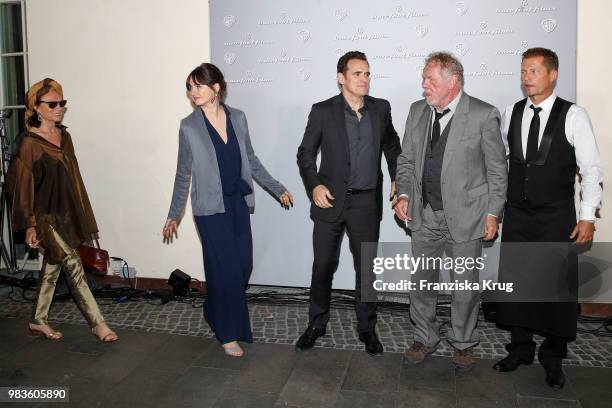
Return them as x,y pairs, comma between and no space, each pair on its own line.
474,169
197,162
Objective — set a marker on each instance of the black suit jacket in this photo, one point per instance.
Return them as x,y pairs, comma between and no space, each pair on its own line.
326,131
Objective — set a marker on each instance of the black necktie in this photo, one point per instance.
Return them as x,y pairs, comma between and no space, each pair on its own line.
534,133
435,132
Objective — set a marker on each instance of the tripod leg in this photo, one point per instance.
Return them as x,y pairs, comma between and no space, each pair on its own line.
9,254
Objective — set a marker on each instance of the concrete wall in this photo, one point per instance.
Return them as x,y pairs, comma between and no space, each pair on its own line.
594,90
123,66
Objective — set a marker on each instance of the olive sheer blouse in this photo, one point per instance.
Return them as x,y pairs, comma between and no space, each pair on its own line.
48,193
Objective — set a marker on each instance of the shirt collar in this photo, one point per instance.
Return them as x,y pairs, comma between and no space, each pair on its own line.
348,107
452,106
546,104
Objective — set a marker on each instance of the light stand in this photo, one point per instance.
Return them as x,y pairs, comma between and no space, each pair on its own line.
7,247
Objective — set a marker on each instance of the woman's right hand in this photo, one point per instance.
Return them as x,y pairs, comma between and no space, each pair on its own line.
30,238
170,230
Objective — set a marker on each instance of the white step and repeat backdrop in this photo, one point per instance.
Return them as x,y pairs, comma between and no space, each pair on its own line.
279,57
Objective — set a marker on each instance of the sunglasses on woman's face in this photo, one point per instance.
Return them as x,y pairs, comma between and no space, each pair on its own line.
53,104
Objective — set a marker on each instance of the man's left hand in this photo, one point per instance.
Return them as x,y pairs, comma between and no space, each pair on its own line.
491,227
393,194
583,232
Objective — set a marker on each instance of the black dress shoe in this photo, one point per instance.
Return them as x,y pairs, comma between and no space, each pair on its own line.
372,344
308,338
511,363
554,375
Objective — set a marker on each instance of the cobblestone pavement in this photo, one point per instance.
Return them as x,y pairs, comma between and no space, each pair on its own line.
282,324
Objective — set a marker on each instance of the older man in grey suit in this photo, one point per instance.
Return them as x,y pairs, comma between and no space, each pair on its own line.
451,183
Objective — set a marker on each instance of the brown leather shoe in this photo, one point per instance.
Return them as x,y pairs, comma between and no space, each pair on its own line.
464,359
417,352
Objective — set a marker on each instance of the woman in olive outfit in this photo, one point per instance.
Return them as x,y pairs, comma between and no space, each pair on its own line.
50,202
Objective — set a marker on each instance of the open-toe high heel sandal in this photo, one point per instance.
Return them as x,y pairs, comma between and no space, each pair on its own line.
50,334
109,337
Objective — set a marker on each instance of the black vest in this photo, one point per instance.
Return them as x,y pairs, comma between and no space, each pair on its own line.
432,172
549,180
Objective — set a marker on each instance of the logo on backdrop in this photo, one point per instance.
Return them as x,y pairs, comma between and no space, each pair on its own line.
462,49
398,13
525,8
304,74
229,20
303,36
248,41
284,19
486,72
380,76
341,14
229,58
283,59
250,78
400,52
484,30
421,30
461,8
549,25
360,35
520,51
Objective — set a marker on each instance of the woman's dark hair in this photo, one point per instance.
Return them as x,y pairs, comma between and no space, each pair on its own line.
208,74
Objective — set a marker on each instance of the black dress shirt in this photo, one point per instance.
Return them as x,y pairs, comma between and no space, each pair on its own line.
364,174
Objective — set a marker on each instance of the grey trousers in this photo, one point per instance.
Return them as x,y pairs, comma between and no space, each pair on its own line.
433,240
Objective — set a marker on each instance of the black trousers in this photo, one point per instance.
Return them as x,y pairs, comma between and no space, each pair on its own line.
359,218
521,343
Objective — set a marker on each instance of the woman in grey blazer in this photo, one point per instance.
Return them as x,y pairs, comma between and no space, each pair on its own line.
216,156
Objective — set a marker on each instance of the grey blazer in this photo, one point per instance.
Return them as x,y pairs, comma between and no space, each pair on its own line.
474,168
197,162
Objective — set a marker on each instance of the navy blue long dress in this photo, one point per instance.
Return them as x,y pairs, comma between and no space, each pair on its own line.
227,245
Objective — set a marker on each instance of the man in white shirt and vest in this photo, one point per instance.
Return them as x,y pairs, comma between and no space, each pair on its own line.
547,140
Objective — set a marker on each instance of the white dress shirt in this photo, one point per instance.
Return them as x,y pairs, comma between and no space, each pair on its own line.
579,134
452,107
444,120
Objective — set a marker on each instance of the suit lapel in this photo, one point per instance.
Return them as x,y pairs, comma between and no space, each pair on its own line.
457,128
239,130
340,123
515,138
549,132
375,123
202,131
422,128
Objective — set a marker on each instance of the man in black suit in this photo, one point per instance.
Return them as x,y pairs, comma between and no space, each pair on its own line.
352,130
